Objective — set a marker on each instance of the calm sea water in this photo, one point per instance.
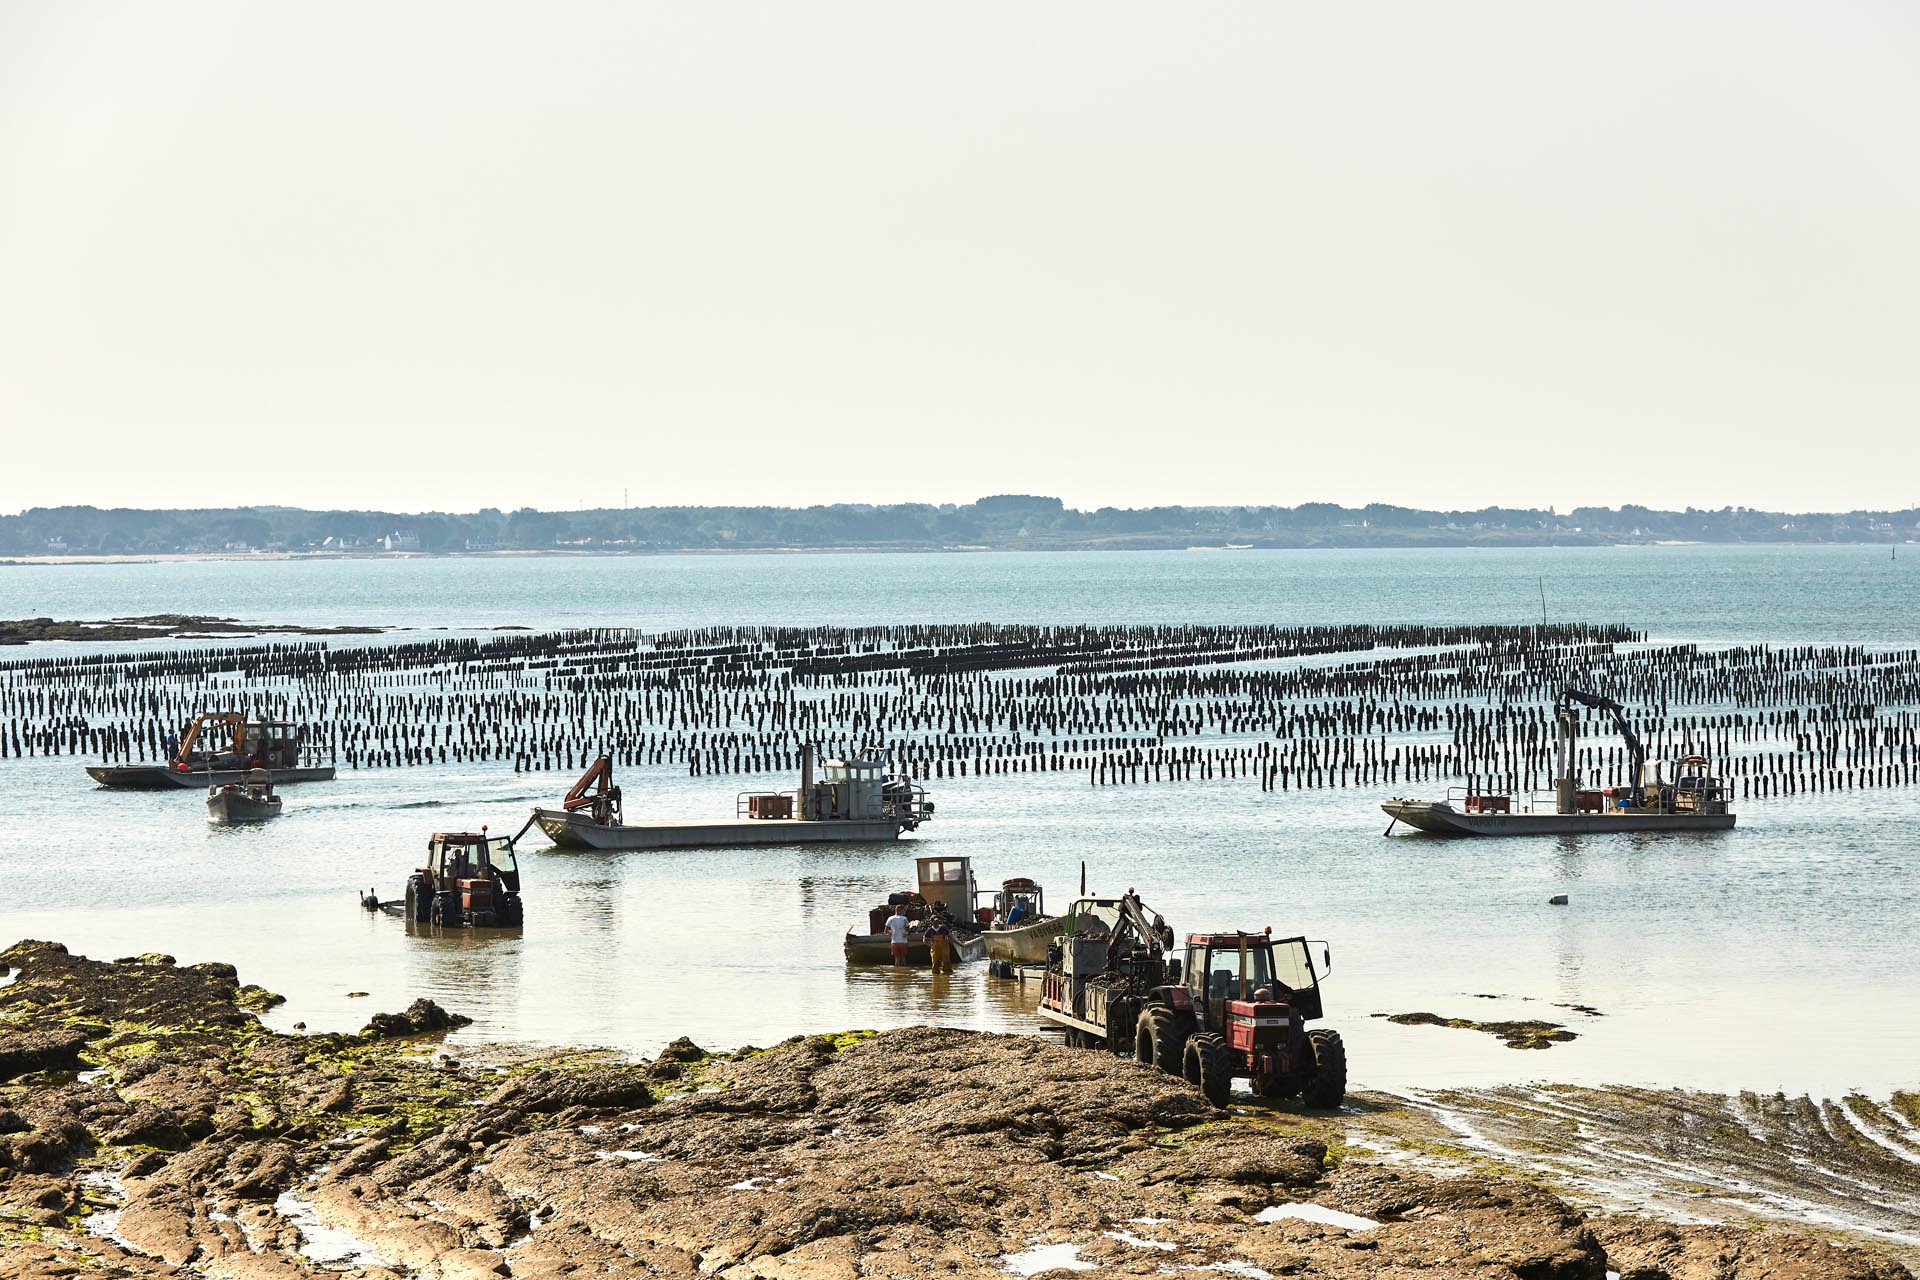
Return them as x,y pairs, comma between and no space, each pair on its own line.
1776,956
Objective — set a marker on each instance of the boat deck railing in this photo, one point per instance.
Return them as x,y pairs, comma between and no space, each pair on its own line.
1476,800
1700,795
911,810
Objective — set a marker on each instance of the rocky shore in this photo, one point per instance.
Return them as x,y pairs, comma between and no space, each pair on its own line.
156,626
151,1125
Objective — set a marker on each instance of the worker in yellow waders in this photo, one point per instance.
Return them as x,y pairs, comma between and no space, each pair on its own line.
940,947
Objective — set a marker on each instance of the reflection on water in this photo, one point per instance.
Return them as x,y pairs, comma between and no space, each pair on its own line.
482,965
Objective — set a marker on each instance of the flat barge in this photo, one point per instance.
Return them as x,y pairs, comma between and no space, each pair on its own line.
1443,818
571,831
1695,799
853,802
219,748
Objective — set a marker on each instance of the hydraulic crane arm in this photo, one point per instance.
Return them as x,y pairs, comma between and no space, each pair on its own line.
595,792
1134,912
1636,753
236,725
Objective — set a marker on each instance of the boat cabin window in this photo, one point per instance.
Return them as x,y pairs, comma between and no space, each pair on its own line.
943,871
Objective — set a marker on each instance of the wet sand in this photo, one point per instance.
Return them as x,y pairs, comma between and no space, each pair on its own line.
1749,1160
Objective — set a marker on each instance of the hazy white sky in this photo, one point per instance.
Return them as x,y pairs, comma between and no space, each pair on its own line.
450,255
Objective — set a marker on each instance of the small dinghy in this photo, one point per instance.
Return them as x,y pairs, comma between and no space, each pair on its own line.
250,800
1021,928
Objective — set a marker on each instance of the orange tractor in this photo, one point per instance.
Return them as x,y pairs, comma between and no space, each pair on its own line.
469,881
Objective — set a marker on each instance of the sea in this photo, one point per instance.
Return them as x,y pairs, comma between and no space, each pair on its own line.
1780,956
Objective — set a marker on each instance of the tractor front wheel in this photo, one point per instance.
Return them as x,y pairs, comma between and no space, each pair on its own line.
1160,1038
1209,1067
445,913
1327,1084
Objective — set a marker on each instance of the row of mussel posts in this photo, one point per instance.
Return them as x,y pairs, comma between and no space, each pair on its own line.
1284,708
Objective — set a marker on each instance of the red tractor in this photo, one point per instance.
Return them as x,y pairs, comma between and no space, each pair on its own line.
1238,1006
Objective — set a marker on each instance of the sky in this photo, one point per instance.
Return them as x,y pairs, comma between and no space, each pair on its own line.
452,255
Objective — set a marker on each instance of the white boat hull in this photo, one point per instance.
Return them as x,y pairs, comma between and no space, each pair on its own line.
228,807
1026,943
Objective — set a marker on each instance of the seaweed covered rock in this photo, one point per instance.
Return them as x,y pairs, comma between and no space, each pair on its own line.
40,1049
422,1017
682,1050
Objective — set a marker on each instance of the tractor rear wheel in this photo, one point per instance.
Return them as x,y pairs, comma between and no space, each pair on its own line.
1159,1040
1327,1083
1209,1067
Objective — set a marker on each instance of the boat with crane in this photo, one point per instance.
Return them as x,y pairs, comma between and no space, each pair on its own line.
854,801
221,747
1694,799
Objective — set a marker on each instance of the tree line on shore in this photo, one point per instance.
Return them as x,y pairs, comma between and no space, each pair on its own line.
1007,521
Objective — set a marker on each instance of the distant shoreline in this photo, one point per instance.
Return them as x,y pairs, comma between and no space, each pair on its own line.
612,553
997,522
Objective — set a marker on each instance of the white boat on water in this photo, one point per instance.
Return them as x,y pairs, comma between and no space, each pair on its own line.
1020,927
251,800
